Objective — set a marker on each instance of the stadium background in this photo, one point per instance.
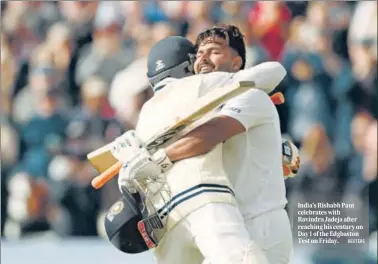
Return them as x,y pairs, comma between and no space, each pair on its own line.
73,78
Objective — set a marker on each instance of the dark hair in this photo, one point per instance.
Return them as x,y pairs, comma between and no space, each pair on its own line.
232,34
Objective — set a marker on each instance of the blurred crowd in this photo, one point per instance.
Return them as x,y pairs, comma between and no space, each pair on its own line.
73,77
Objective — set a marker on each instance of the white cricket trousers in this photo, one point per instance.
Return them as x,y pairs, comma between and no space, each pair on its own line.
272,232
214,234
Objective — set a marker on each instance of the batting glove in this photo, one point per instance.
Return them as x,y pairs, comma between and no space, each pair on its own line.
143,167
290,159
126,146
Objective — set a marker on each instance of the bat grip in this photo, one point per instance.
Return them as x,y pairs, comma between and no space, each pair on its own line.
112,171
107,175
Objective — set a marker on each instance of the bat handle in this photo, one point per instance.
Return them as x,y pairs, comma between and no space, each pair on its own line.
107,175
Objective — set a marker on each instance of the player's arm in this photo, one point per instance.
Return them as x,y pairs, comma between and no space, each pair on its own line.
254,107
237,115
229,123
202,139
267,74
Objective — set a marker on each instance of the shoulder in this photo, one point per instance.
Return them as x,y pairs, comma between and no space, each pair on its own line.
254,98
251,108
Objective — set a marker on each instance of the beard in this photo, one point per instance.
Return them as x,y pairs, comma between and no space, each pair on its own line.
209,67
206,67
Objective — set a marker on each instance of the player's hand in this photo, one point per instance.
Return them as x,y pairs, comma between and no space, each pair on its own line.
290,159
126,146
143,167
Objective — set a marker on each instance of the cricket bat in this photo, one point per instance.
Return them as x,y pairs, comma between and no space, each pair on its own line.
108,166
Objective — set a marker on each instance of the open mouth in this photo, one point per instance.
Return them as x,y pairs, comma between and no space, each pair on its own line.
205,68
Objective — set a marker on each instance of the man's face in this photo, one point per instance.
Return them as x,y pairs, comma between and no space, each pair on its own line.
214,54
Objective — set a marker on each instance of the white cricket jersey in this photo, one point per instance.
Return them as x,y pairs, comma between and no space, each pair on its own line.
253,159
191,183
248,164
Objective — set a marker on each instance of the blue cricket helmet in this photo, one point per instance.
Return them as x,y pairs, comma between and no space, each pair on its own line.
170,57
